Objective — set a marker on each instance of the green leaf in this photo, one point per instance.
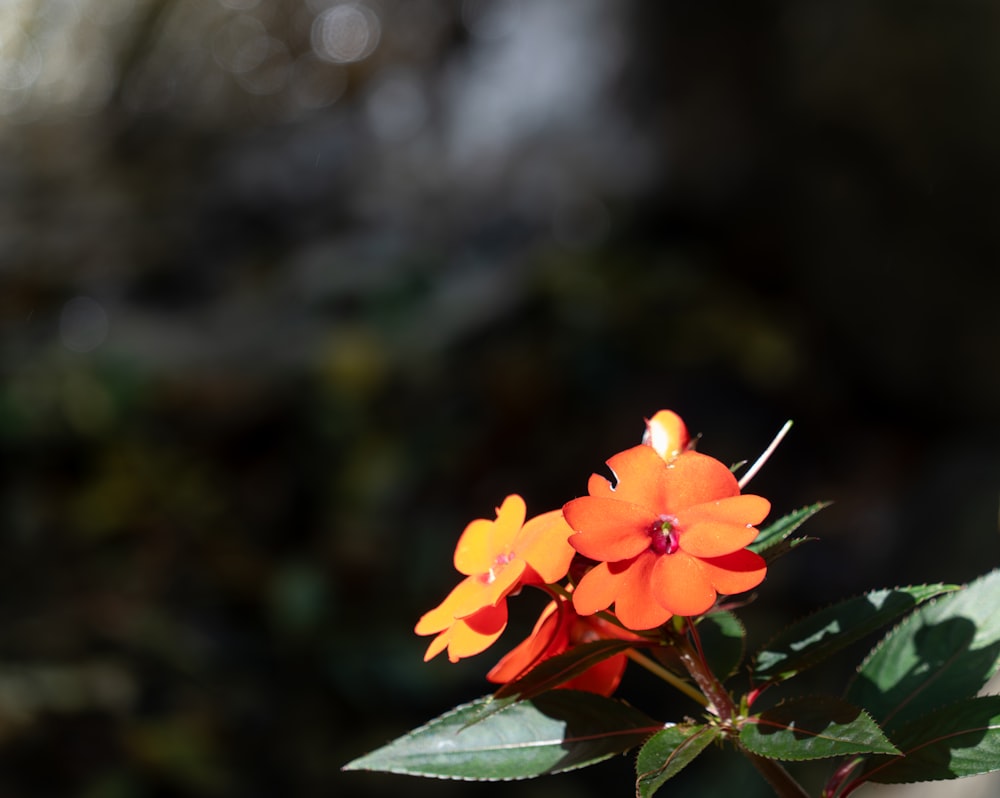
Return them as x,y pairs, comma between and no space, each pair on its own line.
816,637
723,638
667,752
959,740
560,730
942,653
813,728
779,550
777,531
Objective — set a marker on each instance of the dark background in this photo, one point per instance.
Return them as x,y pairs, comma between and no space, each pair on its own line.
292,290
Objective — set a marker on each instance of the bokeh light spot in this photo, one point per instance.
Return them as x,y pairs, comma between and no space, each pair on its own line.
20,64
345,33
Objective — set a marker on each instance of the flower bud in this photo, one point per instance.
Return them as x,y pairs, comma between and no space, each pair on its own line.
666,434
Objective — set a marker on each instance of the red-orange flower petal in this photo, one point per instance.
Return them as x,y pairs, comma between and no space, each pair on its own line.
545,639
469,596
711,530
558,629
543,544
633,604
470,636
640,477
600,487
497,585
463,600
735,573
437,645
744,509
695,478
483,540
681,585
602,678
710,539
610,529
598,587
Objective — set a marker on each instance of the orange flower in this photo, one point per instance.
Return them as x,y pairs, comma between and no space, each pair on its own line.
463,637
668,537
558,629
497,557
667,434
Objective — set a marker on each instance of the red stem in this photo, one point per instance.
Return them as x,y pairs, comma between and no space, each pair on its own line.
690,652
721,704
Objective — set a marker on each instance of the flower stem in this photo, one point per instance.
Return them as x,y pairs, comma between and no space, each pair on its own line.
667,676
720,703
839,778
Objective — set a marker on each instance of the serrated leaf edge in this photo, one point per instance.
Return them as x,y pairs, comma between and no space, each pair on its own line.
864,777
698,730
482,700
809,511
831,605
399,771
823,696
910,619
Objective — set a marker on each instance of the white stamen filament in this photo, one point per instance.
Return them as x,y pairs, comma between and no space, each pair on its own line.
767,453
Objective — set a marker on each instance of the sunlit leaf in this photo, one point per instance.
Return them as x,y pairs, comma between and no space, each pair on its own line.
816,637
942,653
814,728
667,752
559,730
959,740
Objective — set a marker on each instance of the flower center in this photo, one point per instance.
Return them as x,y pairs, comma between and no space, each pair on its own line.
663,535
498,563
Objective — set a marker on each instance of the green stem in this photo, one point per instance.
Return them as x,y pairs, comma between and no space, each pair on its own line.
667,676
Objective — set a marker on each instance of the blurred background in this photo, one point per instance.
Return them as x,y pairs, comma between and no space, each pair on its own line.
291,290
